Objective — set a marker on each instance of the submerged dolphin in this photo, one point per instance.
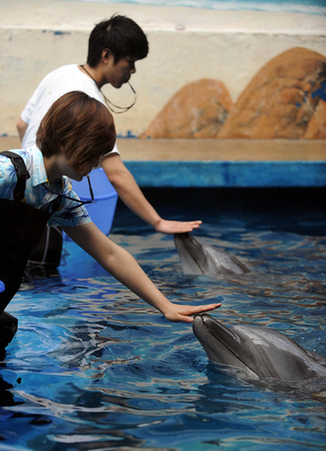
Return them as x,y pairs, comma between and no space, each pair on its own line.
258,352
204,259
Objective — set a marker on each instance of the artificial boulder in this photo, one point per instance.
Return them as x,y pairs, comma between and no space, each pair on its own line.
286,99
198,110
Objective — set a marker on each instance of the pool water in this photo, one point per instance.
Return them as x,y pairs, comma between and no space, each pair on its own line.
94,368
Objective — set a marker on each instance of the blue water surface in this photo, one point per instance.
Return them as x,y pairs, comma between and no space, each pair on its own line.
297,6
94,368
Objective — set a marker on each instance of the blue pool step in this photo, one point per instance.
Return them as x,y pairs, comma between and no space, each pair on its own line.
228,174
105,199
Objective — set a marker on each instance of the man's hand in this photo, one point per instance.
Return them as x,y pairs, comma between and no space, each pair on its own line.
172,227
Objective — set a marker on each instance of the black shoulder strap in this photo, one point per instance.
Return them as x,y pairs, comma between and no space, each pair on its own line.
22,173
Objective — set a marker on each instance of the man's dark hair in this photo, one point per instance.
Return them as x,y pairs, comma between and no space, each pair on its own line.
121,35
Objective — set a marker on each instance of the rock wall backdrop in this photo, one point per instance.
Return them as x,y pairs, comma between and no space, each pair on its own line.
209,73
285,99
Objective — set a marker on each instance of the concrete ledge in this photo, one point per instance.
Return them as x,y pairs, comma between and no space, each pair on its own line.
222,149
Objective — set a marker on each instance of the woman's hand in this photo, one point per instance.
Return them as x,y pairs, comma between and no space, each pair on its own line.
177,312
121,265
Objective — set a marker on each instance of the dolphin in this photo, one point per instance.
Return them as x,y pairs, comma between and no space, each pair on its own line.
257,352
199,259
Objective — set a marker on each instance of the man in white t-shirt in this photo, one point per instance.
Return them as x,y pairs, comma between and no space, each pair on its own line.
114,47
54,85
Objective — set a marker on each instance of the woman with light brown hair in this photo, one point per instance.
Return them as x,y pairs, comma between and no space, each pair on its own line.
72,138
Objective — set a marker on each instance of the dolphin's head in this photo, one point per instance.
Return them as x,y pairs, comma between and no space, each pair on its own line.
199,259
192,255
259,352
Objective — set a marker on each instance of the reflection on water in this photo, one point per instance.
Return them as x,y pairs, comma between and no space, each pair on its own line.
93,367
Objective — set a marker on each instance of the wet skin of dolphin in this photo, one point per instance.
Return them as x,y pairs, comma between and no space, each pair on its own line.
199,259
257,351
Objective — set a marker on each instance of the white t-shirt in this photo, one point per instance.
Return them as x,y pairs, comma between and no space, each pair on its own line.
54,85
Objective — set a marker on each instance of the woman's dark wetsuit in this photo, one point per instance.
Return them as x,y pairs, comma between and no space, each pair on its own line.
21,227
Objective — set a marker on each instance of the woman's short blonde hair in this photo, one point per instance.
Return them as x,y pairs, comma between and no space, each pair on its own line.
80,127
